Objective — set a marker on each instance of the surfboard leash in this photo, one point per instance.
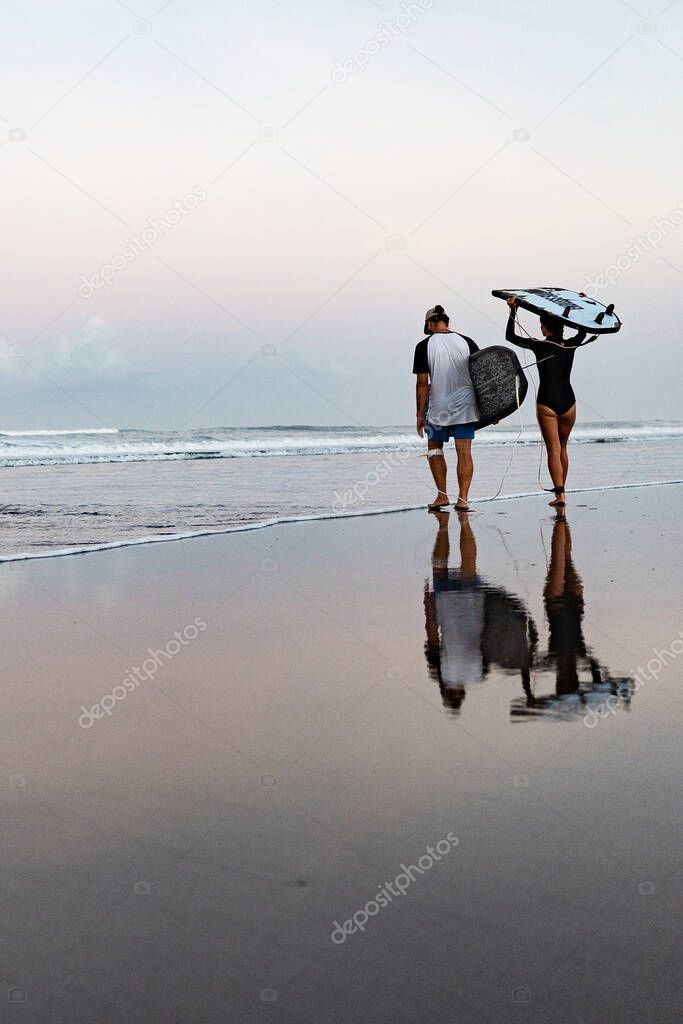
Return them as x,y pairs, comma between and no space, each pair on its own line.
542,446
492,497
547,341
512,453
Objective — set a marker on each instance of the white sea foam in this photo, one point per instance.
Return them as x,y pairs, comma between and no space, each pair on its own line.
76,447
58,433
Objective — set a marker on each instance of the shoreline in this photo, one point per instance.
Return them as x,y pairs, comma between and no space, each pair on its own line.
283,520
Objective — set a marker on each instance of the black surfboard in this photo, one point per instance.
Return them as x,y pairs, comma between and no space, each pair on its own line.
499,383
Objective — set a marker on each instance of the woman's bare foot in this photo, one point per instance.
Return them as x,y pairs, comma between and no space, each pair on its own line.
441,501
559,499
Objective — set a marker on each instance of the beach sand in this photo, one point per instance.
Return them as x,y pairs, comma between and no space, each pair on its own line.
303,739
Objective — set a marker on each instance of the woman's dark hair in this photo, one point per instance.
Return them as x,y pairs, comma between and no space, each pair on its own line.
554,326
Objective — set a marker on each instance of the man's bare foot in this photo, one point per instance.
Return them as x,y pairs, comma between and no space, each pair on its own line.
462,505
441,501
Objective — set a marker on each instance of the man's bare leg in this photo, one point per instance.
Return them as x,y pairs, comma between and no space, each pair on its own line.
442,545
437,464
465,472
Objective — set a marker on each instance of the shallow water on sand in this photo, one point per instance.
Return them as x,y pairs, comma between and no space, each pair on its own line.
49,508
364,689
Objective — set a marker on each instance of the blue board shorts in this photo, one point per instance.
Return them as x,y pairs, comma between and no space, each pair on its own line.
459,431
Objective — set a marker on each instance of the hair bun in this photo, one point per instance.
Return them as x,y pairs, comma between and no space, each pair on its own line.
438,309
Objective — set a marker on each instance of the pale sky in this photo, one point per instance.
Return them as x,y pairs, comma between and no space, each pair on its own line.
351,175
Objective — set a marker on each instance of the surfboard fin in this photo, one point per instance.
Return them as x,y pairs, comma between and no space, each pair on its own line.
605,312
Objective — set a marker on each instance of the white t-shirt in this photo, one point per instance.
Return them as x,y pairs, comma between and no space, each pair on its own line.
451,395
460,614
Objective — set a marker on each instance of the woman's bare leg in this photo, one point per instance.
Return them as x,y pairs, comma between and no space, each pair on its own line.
468,548
549,423
565,425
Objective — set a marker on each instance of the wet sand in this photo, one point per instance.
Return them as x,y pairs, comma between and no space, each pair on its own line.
329,700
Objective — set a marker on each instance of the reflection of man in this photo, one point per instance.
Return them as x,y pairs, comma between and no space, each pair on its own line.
470,624
454,616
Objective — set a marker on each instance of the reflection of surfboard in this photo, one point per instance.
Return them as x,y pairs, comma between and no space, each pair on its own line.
572,308
499,383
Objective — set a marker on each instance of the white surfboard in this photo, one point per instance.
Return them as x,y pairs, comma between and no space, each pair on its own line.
573,308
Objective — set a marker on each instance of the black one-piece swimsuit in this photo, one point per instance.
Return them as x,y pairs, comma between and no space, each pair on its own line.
555,390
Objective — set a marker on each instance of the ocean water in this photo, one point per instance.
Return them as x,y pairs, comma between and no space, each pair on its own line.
74,490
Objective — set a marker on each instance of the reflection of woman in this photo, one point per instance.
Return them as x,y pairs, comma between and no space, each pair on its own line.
564,607
469,624
556,402
568,652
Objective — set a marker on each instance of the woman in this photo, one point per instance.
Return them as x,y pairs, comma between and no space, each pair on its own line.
555,402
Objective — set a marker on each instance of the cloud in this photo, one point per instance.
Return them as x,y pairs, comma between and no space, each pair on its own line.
87,359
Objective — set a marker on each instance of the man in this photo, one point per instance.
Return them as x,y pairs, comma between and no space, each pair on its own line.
446,405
